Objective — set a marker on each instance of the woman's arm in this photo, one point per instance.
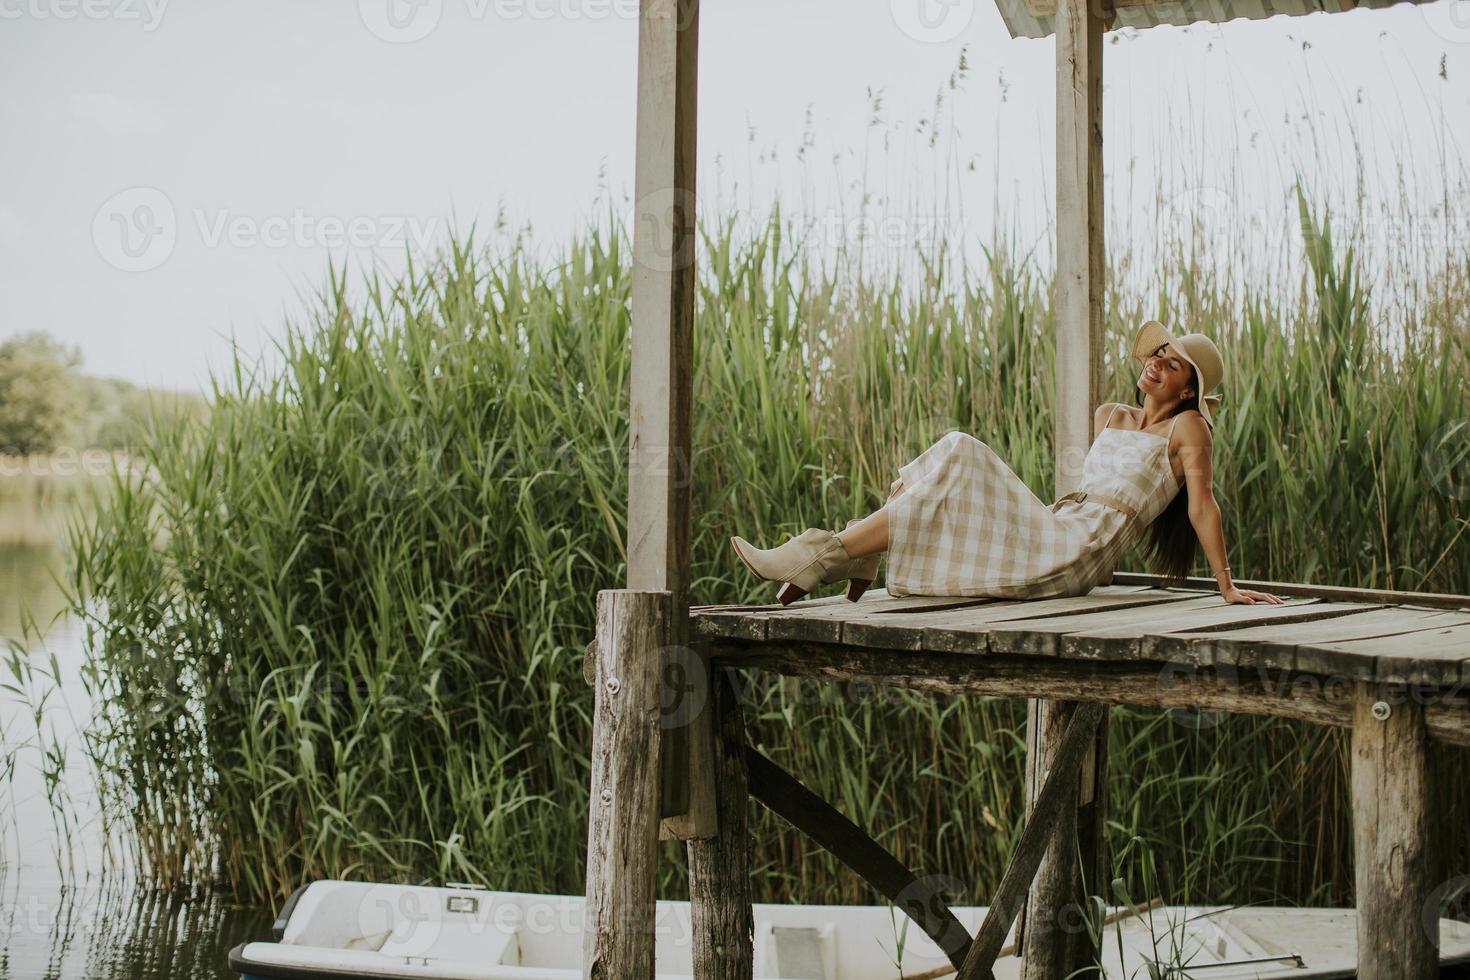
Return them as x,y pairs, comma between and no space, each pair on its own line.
1196,453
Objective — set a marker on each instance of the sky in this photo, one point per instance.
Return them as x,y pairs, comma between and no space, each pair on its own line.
175,178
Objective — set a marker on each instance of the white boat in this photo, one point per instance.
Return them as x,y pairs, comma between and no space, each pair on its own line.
346,929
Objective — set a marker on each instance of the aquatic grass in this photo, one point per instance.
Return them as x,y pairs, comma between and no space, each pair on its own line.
335,625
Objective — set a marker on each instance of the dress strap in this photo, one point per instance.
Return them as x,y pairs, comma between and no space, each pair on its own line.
1170,434
1108,421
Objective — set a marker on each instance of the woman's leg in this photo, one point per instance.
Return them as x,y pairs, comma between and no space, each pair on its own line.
869,535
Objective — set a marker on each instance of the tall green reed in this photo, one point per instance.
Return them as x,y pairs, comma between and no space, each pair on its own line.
335,625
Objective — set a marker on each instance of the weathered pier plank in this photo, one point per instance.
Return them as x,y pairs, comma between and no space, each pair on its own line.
1275,645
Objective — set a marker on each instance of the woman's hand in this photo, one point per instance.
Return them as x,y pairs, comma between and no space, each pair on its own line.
894,488
1249,596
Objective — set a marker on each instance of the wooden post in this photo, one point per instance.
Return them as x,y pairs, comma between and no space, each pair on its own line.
719,868
1055,809
1051,934
660,448
1391,847
1055,941
622,824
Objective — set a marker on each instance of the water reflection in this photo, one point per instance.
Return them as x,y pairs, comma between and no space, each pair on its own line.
63,913
109,928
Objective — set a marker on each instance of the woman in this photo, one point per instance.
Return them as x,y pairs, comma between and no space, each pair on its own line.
959,522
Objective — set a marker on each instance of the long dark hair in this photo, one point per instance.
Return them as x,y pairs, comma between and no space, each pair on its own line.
1171,544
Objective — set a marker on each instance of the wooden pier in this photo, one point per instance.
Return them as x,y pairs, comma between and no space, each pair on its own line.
669,757
1392,667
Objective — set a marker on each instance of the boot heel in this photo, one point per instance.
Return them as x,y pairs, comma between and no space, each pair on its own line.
789,593
856,587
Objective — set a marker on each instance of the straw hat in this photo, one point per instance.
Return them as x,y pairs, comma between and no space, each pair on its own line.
1197,349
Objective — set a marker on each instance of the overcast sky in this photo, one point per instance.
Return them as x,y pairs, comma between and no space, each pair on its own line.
175,175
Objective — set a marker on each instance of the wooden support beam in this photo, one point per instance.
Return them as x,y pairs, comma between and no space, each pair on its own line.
1282,694
660,447
1050,950
1391,847
622,824
719,868
1047,822
921,899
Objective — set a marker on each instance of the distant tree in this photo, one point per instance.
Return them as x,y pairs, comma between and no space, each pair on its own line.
38,403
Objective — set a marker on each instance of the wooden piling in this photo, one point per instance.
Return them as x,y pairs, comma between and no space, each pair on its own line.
1055,940
1391,846
622,834
660,446
719,867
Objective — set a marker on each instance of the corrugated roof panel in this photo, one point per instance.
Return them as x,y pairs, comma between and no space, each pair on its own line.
1034,18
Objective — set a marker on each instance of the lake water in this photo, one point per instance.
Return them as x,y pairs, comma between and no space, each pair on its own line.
63,914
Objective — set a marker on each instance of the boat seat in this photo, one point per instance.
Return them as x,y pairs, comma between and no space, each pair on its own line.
798,953
446,939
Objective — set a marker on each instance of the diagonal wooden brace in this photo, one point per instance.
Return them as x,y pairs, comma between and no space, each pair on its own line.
1058,791
918,898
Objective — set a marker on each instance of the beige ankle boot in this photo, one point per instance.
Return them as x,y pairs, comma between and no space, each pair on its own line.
812,558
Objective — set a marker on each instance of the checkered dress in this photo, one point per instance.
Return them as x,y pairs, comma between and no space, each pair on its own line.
965,524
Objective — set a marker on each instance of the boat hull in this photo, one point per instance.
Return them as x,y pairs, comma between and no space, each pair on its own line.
333,930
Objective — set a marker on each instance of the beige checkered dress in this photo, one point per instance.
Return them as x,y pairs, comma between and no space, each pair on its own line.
966,524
